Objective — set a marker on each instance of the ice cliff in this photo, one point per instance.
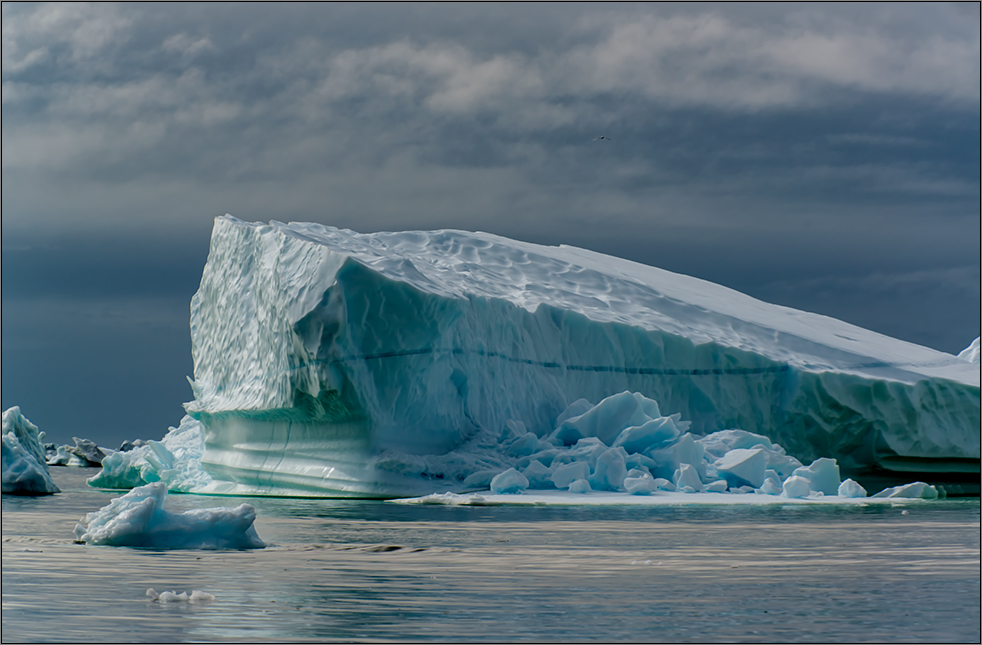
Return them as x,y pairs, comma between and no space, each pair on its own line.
332,362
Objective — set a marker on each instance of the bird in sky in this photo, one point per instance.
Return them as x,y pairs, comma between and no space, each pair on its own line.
603,138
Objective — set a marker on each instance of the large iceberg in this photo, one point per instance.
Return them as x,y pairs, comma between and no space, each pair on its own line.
25,471
328,362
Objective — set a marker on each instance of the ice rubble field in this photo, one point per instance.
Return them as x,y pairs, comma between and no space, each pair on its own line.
650,459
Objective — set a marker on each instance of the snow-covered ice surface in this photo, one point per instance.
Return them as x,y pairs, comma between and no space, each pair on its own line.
25,470
334,363
971,353
139,519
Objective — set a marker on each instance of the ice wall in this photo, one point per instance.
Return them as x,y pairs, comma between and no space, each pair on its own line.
326,360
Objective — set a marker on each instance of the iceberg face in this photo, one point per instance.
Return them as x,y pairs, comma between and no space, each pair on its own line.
333,363
25,470
139,519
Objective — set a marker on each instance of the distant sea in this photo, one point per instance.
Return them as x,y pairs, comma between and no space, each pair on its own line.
373,571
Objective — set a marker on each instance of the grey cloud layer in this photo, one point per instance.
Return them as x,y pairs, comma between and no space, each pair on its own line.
100,82
820,156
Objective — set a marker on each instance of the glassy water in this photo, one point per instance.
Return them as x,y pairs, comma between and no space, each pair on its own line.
356,570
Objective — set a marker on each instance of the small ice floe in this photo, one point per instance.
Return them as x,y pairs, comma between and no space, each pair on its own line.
169,596
445,499
917,490
139,519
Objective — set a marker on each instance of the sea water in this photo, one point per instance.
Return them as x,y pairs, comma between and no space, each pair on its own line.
367,570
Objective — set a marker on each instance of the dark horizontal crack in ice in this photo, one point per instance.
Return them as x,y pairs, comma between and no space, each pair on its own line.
658,371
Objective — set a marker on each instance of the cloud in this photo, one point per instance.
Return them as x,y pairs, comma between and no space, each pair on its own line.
187,46
74,31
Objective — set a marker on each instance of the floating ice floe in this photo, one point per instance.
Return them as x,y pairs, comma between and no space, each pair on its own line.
25,471
139,519
196,596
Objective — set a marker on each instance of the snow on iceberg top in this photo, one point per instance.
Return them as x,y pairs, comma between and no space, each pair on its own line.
460,264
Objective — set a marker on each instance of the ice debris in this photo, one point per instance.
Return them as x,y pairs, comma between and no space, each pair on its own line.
175,461
730,461
25,471
170,596
139,519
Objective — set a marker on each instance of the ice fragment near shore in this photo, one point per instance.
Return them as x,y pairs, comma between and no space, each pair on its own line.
139,519
25,470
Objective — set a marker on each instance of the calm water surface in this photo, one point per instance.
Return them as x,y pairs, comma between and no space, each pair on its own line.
356,571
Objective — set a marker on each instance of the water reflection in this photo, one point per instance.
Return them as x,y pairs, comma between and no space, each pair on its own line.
370,570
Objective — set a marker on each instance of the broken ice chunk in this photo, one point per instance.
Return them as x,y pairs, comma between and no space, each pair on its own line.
743,466
850,488
687,479
822,475
796,487
509,482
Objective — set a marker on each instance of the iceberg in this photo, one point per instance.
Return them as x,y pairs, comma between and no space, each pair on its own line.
84,454
25,470
139,519
332,363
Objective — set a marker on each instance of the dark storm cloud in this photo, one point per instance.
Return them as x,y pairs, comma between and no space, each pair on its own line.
824,157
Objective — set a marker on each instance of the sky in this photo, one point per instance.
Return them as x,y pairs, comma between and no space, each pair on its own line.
822,157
